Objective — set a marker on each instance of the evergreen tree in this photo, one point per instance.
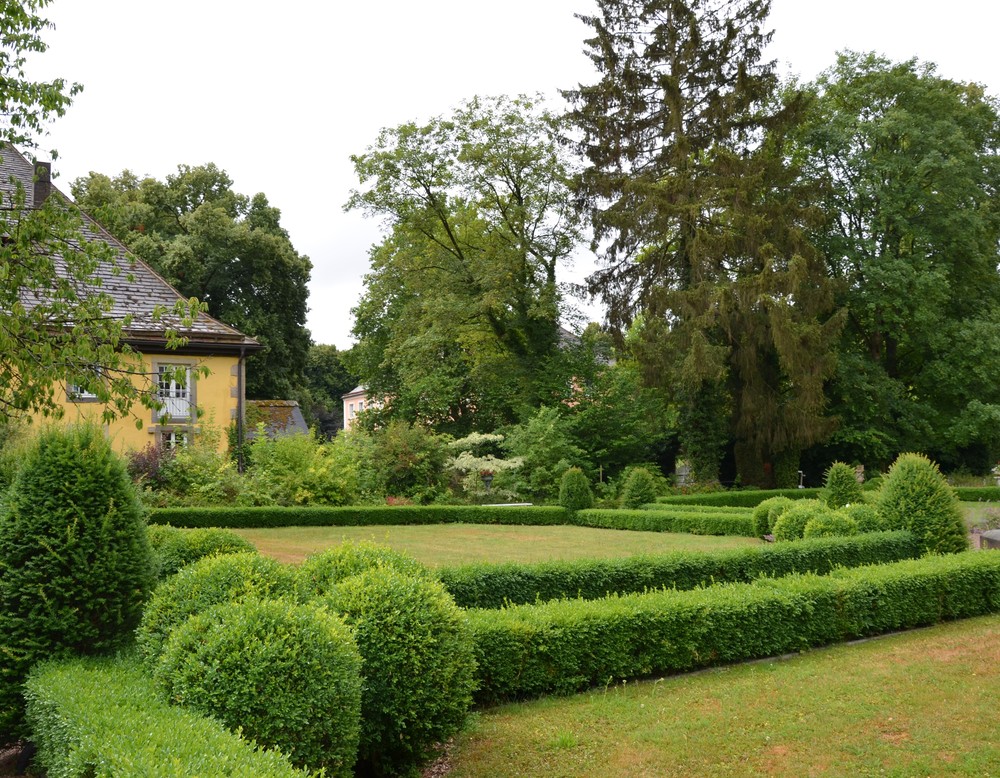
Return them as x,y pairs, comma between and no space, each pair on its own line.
690,196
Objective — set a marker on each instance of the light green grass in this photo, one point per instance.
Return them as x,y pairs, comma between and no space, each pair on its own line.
450,544
922,703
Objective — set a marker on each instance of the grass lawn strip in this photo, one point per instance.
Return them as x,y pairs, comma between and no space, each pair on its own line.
919,703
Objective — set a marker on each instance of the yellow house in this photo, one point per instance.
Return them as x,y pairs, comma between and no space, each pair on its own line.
191,399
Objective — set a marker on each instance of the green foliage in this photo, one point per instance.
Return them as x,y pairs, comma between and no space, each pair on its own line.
417,665
916,496
399,460
327,380
570,645
484,585
767,512
210,581
285,675
574,490
742,498
667,521
102,719
360,516
866,516
842,487
544,445
459,321
75,562
16,440
225,248
321,572
639,489
791,524
827,525
298,469
474,455
174,548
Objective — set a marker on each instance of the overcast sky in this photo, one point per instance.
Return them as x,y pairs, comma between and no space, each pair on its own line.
281,94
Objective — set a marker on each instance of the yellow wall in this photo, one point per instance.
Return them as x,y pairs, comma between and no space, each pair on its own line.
215,397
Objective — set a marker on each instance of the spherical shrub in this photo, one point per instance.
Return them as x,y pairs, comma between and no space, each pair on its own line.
319,573
791,524
639,489
75,562
574,491
842,487
866,516
417,664
214,580
830,524
180,547
288,675
916,496
767,512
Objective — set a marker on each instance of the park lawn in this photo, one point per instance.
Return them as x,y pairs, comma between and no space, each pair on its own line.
452,544
915,704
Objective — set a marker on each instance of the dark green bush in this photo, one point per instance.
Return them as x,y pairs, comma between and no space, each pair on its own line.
287,675
485,585
75,562
978,493
767,512
791,524
102,719
665,520
569,645
319,573
828,525
173,547
916,497
417,665
358,515
574,491
210,581
842,487
739,498
639,488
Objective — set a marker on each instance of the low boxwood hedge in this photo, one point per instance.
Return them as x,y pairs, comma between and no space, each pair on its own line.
101,718
483,585
719,509
358,515
665,520
569,645
978,493
739,498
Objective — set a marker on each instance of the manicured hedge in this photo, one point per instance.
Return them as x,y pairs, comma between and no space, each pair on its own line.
358,515
978,493
665,520
676,508
484,585
739,498
568,645
102,719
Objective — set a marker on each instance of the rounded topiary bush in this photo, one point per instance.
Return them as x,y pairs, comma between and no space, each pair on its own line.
319,573
830,524
866,516
767,512
288,675
418,666
574,491
214,580
639,488
842,487
915,496
791,524
175,548
75,562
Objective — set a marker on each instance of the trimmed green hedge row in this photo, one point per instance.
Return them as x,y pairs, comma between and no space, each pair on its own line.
739,498
978,493
665,520
95,718
673,508
358,515
569,645
484,585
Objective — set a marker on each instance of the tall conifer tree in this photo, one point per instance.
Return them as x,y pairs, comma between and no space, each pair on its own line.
702,225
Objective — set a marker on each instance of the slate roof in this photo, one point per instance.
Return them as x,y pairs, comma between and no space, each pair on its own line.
135,288
280,417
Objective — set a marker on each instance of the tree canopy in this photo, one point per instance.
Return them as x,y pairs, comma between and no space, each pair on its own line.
226,249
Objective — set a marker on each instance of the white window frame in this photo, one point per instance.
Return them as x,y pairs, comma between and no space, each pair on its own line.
178,398
77,394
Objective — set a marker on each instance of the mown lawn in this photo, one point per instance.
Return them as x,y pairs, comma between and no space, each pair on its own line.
922,703
448,544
